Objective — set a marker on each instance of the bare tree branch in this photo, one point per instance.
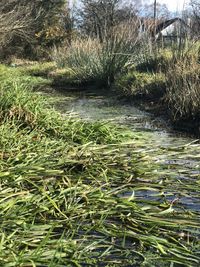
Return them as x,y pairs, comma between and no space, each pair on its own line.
15,21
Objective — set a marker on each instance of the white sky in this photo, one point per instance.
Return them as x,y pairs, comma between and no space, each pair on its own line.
173,5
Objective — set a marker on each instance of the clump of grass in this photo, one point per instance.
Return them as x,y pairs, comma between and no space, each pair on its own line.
142,84
183,83
97,62
82,59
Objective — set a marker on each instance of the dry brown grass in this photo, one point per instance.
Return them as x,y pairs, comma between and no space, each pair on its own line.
183,80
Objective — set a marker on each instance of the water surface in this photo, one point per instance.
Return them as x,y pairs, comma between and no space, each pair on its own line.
171,161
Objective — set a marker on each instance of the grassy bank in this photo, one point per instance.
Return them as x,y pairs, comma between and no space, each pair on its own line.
170,81
68,190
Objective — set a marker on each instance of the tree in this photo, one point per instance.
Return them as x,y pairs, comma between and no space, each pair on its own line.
29,24
15,20
162,12
195,5
53,24
99,16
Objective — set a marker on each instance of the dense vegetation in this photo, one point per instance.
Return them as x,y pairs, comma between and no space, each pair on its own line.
67,189
71,190
169,77
29,28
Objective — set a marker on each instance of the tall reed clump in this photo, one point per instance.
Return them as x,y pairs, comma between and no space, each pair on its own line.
183,85
98,62
82,57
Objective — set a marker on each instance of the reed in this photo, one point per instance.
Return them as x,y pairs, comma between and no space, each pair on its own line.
98,62
183,83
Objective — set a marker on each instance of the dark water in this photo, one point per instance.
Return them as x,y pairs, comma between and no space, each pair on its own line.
172,160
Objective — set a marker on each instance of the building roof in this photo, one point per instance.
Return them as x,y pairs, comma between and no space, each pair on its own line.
156,26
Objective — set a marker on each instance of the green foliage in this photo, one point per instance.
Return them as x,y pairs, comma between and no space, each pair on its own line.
68,201
22,75
93,62
141,84
21,104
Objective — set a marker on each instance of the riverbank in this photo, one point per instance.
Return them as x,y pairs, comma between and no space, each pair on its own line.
167,84
76,193
159,109
143,88
167,77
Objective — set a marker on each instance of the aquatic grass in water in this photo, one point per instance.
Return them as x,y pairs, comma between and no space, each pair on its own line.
60,205
66,200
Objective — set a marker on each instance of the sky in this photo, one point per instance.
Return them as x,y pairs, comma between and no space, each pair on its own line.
173,5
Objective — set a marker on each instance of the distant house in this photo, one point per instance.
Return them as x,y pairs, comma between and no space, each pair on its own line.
162,29
148,25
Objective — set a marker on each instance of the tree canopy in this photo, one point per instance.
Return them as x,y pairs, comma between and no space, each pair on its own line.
25,23
99,16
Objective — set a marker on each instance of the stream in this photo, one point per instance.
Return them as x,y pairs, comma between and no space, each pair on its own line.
171,160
